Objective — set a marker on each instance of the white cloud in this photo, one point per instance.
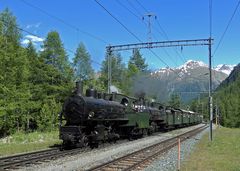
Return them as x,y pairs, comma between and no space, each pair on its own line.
25,41
37,25
41,49
32,38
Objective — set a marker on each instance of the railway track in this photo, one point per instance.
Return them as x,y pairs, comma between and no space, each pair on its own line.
17,161
38,157
142,158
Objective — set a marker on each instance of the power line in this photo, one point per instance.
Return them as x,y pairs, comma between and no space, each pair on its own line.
158,57
130,3
210,18
229,22
64,22
140,18
166,36
142,6
210,32
71,51
129,31
30,33
163,33
124,6
125,27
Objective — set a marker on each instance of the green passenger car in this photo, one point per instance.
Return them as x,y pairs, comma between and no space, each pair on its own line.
169,117
177,117
185,117
138,119
136,111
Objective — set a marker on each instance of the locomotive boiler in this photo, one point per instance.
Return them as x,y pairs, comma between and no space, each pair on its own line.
90,119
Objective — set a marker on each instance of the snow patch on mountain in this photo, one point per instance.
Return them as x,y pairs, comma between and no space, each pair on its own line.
191,65
227,69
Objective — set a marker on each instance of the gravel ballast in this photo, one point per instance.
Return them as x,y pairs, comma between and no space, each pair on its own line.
168,161
98,156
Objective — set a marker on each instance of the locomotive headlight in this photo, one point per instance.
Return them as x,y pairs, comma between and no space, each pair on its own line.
91,114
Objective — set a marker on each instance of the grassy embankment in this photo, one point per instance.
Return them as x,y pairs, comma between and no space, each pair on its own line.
223,154
21,142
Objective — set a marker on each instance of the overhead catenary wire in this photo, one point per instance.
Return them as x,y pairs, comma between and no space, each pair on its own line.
225,31
165,34
167,37
210,34
71,51
129,31
32,34
124,6
69,25
162,32
64,22
140,19
130,3
210,18
134,35
142,6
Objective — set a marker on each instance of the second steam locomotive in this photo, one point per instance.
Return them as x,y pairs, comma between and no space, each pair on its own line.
97,118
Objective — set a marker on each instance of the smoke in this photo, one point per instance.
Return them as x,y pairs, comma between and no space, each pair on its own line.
140,94
114,89
150,87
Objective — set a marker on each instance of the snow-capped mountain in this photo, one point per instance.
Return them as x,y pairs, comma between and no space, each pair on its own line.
224,68
192,65
190,77
186,69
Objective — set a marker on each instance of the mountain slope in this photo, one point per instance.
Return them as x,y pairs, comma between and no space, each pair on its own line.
227,97
185,80
224,68
232,76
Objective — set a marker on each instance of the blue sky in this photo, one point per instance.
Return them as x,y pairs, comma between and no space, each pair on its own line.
180,19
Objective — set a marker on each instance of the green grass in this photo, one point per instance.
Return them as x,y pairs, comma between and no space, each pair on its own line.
21,142
223,154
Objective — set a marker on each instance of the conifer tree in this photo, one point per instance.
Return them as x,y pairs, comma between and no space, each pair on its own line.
175,101
118,71
82,64
138,61
14,71
54,54
9,27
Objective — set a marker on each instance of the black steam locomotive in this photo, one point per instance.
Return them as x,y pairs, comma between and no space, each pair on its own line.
98,118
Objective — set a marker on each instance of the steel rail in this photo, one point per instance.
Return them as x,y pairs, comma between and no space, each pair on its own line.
13,162
143,157
26,159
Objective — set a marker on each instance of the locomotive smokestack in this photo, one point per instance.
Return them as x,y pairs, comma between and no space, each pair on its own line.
79,88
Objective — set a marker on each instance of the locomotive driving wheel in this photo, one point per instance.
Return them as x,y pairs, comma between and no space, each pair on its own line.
84,141
135,133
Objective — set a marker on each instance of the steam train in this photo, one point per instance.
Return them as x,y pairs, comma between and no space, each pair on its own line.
98,118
